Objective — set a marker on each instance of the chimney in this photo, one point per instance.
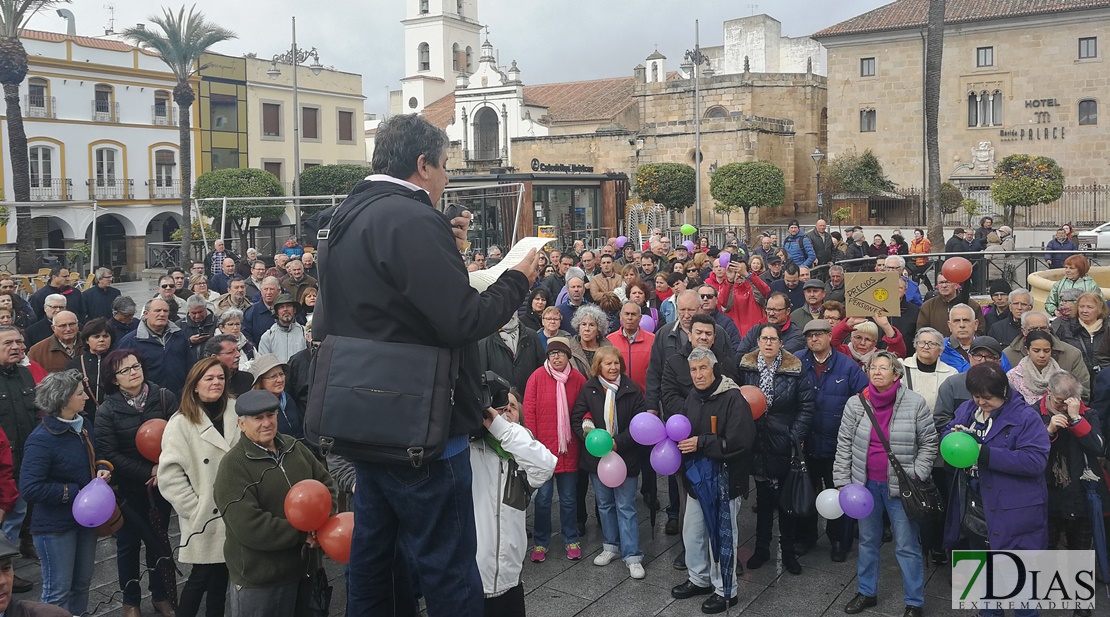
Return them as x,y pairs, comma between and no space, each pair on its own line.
71,27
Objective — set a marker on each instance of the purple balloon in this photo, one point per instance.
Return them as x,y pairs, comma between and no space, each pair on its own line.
621,241
665,457
647,429
689,244
95,504
647,323
856,501
725,259
678,427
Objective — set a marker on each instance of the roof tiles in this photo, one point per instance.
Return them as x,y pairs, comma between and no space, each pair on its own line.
905,14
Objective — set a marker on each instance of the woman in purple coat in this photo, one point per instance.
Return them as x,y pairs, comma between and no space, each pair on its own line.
1008,479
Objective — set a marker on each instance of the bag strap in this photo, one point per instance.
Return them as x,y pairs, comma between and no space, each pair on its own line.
85,374
902,476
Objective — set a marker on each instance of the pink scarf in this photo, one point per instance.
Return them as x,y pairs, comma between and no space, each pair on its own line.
561,405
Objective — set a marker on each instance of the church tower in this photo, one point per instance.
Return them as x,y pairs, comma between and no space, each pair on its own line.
442,40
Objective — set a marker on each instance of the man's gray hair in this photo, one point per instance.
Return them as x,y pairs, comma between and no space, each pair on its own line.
401,140
146,307
55,390
961,306
1070,294
271,280
895,363
933,332
102,273
591,311
59,298
1020,291
228,315
839,269
196,301
856,237
574,272
700,353
1063,385
252,250
123,305
901,262
1026,315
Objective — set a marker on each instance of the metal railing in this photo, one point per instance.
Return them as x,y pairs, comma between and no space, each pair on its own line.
51,189
39,106
161,188
105,111
112,188
163,115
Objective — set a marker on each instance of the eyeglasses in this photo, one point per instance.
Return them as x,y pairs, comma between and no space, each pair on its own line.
1021,304
776,310
768,339
129,369
708,296
278,375
1036,328
927,344
817,333
232,324
166,286
985,357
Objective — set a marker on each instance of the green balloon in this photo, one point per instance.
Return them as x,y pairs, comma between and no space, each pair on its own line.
599,442
960,450
688,230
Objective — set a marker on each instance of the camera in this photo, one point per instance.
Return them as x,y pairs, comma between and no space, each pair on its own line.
495,391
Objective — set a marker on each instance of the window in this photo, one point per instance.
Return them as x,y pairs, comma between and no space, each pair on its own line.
225,158
486,135
972,110
105,167
867,121
224,111
40,166
716,111
456,59
867,67
469,59
423,7
1088,47
425,57
273,167
996,108
36,88
165,164
346,126
310,123
161,104
1088,112
271,119
984,56
102,104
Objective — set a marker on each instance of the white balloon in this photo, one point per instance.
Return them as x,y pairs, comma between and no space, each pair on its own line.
828,504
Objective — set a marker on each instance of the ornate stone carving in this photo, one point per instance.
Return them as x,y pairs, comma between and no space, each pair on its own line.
982,158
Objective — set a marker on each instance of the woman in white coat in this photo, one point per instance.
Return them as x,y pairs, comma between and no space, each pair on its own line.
507,454
195,441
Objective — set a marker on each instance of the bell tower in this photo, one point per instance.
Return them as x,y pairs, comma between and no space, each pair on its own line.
442,40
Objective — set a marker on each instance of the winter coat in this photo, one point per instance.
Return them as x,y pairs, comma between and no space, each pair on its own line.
296,288
226,301
299,376
207,327
934,314
787,421
667,343
791,335
731,331
283,341
637,354
51,354
800,250
88,364
122,328
75,302
18,413
913,440
1012,462
893,344
822,246
1056,260
1068,357
952,393
630,401
1006,331
542,418
733,441
261,548
166,359
1093,346
676,382
927,384
906,323
1080,446
856,251
98,301
578,355
920,247
9,492
257,320
56,466
494,355
991,316
740,301
601,285
795,295
1084,284
842,379
502,540
879,250
191,454
116,427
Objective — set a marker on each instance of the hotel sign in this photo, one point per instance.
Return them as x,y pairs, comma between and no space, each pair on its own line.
1032,134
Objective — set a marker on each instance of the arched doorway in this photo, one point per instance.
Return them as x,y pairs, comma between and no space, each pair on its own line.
111,242
486,130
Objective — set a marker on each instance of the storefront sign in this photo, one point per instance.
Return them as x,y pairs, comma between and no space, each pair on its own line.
561,167
1032,134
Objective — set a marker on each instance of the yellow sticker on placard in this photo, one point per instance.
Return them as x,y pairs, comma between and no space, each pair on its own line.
880,295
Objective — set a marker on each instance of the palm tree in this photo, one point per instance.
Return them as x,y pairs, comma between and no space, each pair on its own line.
181,42
934,41
13,70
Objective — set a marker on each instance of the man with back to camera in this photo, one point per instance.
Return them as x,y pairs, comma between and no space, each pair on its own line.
426,301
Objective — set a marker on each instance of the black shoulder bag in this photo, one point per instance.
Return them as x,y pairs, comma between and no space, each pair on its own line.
920,498
798,498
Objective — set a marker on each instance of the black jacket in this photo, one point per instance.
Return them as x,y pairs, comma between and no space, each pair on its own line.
1076,449
677,383
822,246
37,332
495,356
377,291
956,245
855,251
591,399
906,323
98,302
792,339
667,343
18,414
117,424
88,364
787,419
300,375
735,436
122,328
75,302
192,328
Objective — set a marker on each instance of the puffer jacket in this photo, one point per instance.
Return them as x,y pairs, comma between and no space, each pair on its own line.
1084,284
788,418
542,418
1094,346
630,401
913,440
799,249
841,380
494,355
791,335
56,466
283,341
1080,446
117,423
502,541
735,436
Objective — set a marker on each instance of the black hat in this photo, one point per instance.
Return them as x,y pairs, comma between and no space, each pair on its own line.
774,259
986,342
1000,286
255,402
958,230
793,222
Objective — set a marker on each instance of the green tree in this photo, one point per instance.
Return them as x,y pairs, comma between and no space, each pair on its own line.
1026,180
755,184
858,174
240,183
13,70
972,208
668,184
950,198
329,180
181,40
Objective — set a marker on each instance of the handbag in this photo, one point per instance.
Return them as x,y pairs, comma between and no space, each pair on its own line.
973,520
797,497
518,493
113,524
319,600
920,498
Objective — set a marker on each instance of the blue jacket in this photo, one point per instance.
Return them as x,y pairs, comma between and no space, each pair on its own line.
257,320
952,358
567,311
842,380
799,249
1056,260
165,362
1012,462
219,282
98,302
54,458
913,292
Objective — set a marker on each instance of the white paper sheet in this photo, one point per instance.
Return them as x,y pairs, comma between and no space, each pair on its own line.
482,279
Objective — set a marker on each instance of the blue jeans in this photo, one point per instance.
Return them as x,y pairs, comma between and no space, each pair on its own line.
907,547
14,520
619,529
67,567
700,567
430,512
568,509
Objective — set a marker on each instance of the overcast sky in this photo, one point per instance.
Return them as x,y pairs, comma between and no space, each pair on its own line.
551,40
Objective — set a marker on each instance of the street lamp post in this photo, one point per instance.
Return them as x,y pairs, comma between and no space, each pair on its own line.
296,57
692,66
818,157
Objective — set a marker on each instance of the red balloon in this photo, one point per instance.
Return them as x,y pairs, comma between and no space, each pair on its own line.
756,400
335,536
149,439
956,269
308,505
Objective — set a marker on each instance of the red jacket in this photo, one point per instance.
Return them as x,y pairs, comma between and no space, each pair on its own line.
8,490
636,355
738,301
541,415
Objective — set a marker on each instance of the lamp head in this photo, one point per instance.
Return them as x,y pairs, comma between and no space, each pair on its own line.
817,156
274,71
316,67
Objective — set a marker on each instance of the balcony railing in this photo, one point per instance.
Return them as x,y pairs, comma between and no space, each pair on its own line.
104,111
51,189
163,115
113,188
39,106
160,188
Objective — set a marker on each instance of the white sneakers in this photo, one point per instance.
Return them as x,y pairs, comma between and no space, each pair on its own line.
636,570
605,557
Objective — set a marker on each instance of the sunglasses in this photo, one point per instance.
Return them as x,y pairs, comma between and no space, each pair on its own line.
167,286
